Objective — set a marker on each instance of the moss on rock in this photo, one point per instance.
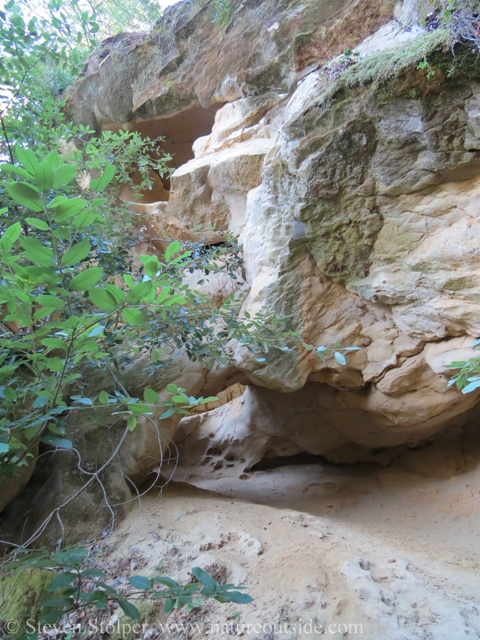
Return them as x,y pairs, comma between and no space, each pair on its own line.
379,68
21,591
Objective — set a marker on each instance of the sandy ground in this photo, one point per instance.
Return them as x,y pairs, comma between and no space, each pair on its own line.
384,553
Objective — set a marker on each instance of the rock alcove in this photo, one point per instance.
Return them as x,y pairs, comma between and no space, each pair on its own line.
179,133
353,186
341,142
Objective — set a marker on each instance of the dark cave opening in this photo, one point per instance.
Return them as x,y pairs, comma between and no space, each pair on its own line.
179,132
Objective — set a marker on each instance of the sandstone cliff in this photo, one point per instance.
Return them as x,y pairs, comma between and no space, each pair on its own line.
341,142
353,182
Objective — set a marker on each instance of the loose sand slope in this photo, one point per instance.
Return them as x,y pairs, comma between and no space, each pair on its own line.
386,549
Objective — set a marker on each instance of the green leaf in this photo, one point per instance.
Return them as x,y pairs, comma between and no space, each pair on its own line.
43,275
235,597
103,397
166,581
27,158
139,292
167,414
99,184
129,609
31,432
139,409
52,159
129,281
173,247
85,279
39,402
37,252
26,195
36,223
471,387
133,316
55,364
63,174
102,299
50,301
93,573
42,312
150,396
169,604
85,401
63,233
53,343
59,443
71,556
56,201
98,598
152,267
139,582
44,176
10,236
180,399
205,578
163,294
84,219
177,298
69,208
76,253
96,331
86,344
62,580
56,602
340,358
115,292
19,171
9,394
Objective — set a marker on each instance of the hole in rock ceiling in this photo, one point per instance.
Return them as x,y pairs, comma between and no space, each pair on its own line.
179,132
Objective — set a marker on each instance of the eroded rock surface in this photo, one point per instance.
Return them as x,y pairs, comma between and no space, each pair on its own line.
353,183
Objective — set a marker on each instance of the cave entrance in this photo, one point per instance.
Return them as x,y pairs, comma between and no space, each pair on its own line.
179,132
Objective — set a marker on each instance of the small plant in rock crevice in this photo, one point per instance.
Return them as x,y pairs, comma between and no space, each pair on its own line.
467,376
222,12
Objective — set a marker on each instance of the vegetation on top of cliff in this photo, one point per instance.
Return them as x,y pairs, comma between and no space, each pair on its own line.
462,18
376,69
458,24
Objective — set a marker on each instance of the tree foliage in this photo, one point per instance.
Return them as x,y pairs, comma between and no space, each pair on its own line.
70,303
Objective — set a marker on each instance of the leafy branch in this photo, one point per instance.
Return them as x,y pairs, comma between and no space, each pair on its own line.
80,586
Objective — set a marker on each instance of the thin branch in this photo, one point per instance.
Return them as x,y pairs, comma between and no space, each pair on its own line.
94,476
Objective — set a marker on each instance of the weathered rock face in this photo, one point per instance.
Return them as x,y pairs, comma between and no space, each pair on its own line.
355,189
107,458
